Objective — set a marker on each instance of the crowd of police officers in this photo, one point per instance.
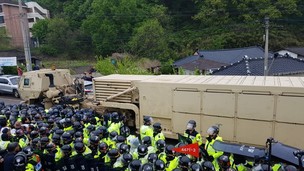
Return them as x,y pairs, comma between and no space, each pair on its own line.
64,139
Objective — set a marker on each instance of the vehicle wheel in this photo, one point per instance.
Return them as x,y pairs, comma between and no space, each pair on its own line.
16,94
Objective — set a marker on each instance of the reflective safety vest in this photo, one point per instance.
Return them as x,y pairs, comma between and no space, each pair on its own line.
212,152
170,165
146,130
194,136
3,145
129,138
115,127
70,128
34,164
23,142
159,136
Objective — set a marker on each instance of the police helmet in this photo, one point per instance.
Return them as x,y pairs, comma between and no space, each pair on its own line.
20,160
79,147
104,131
184,162
78,140
224,161
191,124
120,139
43,130
50,147
67,122
157,126
103,147
196,167
35,142
125,131
160,145
34,134
78,134
66,149
208,166
147,141
44,141
142,150
113,154
67,138
59,132
113,134
213,130
94,140
159,165
169,149
134,165
115,117
152,157
147,119
124,148
28,151
56,139
91,128
146,167
290,168
126,159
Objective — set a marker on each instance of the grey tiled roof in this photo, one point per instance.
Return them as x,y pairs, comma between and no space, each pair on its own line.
226,56
297,50
282,65
202,64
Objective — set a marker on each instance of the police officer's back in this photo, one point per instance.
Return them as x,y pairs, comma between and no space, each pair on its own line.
146,129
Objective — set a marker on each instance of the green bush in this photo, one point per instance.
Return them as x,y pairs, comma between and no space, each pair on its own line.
11,70
124,66
48,50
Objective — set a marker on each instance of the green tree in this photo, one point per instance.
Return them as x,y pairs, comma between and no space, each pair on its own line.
40,30
149,41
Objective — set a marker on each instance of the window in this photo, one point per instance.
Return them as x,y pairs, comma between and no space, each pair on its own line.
26,82
3,81
1,9
14,80
1,19
30,20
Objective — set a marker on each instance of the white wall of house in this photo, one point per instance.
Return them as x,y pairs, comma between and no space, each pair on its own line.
283,52
35,13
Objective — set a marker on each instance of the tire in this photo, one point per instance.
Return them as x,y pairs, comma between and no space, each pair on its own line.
16,94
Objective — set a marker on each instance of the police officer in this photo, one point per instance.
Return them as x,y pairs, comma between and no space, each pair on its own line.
146,167
224,163
134,165
170,159
191,134
142,153
184,163
146,129
126,132
116,124
213,132
160,146
126,160
159,165
114,164
103,157
33,160
208,166
148,142
49,157
82,157
157,133
64,162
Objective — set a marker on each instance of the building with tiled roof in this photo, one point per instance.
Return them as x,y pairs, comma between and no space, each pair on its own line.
278,66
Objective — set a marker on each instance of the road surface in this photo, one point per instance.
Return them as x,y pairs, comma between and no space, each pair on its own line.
8,99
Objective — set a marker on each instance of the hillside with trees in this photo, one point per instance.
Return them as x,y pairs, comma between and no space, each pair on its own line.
162,29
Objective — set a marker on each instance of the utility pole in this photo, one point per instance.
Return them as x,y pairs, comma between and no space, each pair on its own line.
266,45
25,36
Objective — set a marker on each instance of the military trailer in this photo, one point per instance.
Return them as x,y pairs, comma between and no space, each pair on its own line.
249,109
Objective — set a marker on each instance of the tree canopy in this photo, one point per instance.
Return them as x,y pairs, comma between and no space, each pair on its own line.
166,30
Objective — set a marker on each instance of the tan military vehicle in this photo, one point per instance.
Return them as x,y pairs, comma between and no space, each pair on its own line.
249,109
49,87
